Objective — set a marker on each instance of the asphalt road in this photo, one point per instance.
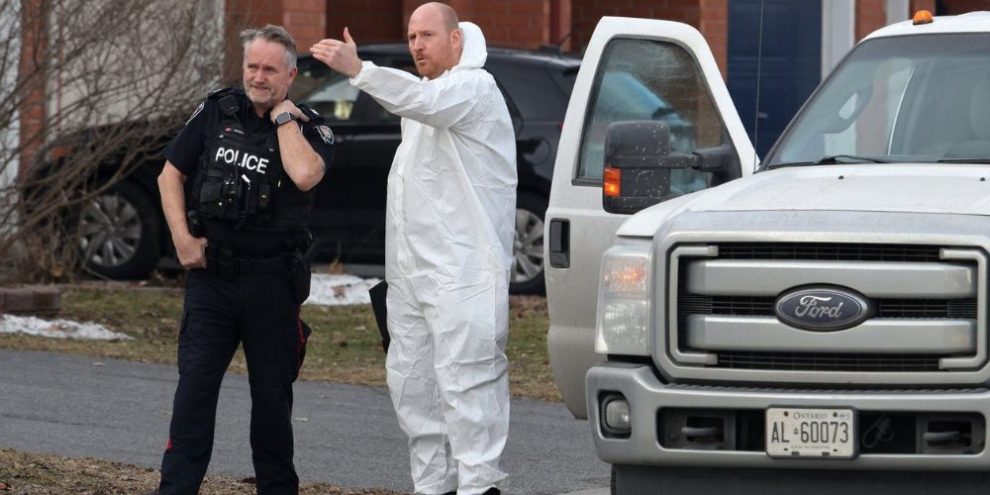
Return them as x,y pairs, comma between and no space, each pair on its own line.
346,435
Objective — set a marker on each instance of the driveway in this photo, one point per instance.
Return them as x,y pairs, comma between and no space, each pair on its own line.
345,435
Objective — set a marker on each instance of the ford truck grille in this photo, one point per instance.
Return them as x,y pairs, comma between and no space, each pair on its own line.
886,308
827,362
817,251
924,307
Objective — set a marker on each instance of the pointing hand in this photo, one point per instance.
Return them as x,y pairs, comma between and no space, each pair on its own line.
348,39
340,56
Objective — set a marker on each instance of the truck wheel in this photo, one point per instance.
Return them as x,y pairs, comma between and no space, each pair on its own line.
527,246
120,233
611,484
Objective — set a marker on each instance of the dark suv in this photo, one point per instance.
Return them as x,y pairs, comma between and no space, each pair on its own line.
127,236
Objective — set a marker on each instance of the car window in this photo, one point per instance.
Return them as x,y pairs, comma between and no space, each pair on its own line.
529,88
651,80
334,99
326,91
511,105
565,78
332,95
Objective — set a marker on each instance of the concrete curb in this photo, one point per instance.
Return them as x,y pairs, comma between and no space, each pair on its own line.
33,299
593,491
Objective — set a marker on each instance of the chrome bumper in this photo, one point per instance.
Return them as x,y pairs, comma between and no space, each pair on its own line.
646,395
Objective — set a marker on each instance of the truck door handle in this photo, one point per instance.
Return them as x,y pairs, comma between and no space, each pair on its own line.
560,235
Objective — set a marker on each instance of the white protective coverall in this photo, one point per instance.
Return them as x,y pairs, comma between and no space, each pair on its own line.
449,231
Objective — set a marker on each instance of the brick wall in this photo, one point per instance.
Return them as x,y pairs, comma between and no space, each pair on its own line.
953,7
369,21
560,24
713,23
586,14
241,14
928,5
306,20
511,23
515,23
870,16
708,16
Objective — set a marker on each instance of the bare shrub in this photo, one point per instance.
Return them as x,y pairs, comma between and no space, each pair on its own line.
91,90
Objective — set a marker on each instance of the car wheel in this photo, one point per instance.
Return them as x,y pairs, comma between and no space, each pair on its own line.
527,247
119,233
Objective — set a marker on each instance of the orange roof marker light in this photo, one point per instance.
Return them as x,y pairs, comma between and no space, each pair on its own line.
922,17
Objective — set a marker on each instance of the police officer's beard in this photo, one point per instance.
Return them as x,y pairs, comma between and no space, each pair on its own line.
262,98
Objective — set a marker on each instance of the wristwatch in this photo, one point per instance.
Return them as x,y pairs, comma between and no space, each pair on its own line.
283,118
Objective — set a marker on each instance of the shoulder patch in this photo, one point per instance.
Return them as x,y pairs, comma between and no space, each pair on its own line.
325,133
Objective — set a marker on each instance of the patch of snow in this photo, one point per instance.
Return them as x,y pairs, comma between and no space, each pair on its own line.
58,329
334,290
326,290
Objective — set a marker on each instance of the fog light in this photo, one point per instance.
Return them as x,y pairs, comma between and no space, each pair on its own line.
616,416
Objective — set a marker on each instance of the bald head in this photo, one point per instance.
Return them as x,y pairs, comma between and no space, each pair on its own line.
434,38
442,12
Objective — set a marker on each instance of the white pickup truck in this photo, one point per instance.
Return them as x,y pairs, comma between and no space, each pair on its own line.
818,319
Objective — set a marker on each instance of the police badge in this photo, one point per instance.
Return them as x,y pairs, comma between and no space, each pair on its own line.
325,133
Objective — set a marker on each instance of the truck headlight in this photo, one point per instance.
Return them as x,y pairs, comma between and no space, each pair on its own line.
624,301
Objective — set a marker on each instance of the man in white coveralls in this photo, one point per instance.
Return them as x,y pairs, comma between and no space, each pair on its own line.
449,233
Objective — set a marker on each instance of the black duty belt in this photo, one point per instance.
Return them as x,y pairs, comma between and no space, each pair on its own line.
224,264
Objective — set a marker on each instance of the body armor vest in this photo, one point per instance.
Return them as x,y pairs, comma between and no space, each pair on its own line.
241,179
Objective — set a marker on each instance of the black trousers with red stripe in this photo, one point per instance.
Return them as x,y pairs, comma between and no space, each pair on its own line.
258,311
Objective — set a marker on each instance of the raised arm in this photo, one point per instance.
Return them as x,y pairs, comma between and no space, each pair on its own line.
439,102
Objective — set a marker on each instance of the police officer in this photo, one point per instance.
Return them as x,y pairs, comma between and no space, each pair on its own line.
237,191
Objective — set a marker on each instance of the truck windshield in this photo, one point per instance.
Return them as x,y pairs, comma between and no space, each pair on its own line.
923,98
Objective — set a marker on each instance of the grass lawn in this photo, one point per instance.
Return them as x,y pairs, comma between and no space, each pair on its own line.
344,348
39,474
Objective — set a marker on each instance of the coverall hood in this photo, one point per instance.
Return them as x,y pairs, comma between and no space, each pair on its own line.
474,50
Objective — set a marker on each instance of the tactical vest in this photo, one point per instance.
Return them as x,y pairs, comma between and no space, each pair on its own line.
241,179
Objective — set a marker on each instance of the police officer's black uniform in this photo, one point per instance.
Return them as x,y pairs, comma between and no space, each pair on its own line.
255,222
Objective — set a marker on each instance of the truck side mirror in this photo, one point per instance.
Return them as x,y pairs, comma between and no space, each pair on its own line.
638,162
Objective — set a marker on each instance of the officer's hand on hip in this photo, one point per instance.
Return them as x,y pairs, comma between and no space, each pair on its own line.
191,252
286,106
340,56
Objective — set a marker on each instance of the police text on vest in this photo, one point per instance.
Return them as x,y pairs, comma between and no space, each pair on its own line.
242,159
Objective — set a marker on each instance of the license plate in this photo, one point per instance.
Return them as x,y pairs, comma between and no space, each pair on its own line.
811,433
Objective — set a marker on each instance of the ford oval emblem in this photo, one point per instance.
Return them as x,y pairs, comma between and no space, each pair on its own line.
823,308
